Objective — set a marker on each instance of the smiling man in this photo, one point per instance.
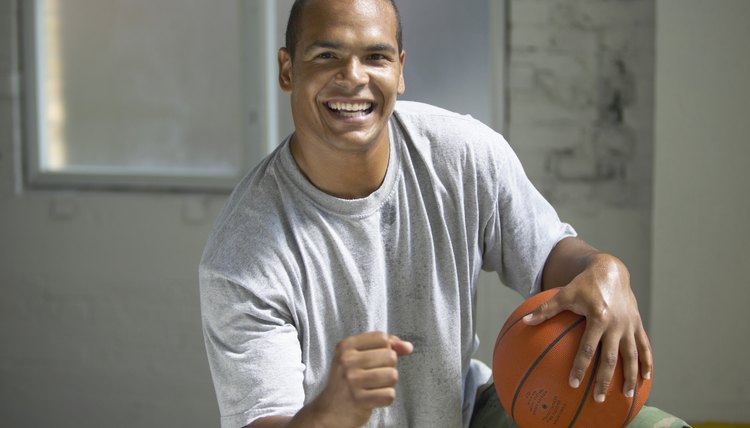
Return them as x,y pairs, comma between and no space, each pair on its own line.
343,68
338,285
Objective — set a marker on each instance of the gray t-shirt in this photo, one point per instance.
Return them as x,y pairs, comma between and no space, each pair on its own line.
289,271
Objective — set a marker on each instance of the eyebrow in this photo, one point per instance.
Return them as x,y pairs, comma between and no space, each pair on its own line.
326,44
381,47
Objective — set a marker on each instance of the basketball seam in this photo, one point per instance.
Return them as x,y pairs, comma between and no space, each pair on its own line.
536,362
632,406
503,333
588,387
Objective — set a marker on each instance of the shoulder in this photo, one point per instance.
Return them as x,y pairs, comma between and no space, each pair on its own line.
250,228
427,124
428,118
453,139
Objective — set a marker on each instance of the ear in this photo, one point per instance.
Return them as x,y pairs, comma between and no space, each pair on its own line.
401,83
285,70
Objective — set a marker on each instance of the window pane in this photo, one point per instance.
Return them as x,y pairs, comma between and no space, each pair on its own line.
141,86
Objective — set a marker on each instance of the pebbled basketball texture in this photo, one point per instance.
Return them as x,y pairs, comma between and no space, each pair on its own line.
531,366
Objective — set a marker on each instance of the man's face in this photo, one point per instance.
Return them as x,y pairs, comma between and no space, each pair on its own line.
345,75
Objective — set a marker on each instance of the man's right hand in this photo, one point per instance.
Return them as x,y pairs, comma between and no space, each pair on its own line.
363,377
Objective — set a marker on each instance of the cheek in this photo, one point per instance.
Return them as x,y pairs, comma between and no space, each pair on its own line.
304,97
391,82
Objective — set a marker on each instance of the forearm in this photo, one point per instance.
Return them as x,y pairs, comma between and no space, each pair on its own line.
568,259
307,417
271,422
304,418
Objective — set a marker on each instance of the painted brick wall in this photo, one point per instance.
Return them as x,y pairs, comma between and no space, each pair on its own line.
581,85
581,113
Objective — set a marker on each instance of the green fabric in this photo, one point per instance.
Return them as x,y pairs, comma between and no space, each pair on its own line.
489,413
651,417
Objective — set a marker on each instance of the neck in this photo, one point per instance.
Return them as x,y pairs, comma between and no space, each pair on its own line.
343,174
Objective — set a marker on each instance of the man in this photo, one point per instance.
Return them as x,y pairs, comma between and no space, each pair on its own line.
338,285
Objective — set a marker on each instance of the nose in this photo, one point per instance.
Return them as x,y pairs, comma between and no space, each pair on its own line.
352,73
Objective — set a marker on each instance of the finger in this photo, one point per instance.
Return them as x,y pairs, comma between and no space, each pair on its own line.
645,356
546,310
369,340
370,359
629,354
586,352
362,342
372,398
377,378
401,347
607,362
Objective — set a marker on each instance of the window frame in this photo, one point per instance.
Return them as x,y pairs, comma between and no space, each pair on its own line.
258,35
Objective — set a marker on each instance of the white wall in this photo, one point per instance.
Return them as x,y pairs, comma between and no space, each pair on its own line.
99,320
701,287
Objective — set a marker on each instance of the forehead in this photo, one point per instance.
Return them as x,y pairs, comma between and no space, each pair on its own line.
348,21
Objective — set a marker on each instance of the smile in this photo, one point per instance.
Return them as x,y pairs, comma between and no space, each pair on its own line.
350,110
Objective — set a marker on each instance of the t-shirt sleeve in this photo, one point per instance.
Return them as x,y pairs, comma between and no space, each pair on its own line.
253,350
522,230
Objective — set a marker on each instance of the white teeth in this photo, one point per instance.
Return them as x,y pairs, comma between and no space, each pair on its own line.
349,106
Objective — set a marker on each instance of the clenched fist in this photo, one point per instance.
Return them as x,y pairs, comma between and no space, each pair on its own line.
363,377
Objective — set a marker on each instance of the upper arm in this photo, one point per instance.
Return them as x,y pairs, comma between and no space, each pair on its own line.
523,228
253,350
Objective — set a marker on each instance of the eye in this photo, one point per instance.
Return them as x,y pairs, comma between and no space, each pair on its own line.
377,57
326,55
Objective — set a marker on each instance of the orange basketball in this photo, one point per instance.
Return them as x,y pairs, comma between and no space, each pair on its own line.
531,366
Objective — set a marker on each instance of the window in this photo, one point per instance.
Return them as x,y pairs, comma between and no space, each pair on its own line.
157,94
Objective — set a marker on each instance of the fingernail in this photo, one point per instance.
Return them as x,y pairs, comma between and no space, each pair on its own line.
528,317
574,382
647,375
599,398
630,393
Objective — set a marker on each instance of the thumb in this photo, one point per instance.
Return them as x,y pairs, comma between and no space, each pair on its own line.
401,347
545,311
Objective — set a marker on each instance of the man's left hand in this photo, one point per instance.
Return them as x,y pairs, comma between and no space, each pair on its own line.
602,293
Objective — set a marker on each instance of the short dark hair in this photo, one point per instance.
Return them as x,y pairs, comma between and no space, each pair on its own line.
295,16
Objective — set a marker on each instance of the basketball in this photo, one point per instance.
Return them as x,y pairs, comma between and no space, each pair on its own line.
531,366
